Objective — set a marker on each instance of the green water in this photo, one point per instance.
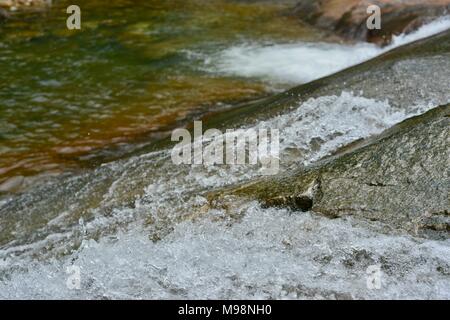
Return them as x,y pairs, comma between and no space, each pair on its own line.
65,94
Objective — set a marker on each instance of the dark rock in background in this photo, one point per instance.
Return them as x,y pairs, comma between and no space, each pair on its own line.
348,17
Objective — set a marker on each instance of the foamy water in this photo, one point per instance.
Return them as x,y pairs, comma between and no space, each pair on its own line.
169,242
240,252
314,130
270,254
302,62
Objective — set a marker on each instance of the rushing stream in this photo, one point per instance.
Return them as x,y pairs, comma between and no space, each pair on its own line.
138,226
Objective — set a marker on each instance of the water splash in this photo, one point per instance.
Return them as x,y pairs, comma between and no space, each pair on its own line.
156,237
162,194
269,254
302,62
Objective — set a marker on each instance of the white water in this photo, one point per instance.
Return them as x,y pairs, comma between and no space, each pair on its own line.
270,253
314,130
303,62
243,251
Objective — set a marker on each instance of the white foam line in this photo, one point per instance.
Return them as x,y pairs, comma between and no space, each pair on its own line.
303,62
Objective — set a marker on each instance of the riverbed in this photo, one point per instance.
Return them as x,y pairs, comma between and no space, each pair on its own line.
85,183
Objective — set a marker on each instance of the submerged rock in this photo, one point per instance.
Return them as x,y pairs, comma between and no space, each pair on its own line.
348,17
18,4
3,14
400,178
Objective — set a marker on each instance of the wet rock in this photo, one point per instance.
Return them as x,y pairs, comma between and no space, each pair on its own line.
400,178
348,17
417,72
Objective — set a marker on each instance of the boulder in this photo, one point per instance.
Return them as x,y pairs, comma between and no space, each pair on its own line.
400,178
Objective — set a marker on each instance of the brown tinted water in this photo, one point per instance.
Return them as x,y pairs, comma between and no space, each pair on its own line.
65,94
